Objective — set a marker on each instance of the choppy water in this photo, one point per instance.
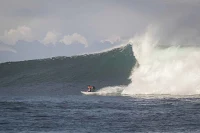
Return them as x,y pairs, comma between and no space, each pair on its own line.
104,114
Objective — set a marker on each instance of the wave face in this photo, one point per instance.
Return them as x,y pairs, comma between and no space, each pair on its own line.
67,75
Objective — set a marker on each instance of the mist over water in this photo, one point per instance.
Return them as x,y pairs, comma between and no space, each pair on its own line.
172,70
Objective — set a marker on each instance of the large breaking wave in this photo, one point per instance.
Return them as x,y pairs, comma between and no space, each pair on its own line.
173,70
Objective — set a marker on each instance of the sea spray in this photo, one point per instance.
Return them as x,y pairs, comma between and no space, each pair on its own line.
169,70
174,70
108,91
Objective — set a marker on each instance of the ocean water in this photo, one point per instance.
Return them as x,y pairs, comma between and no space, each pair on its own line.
103,114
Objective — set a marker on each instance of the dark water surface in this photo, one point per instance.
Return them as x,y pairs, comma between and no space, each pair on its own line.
106,114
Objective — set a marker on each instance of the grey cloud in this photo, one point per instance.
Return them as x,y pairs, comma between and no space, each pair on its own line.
96,20
102,18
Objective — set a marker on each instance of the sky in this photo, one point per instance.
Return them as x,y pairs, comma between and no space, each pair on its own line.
37,29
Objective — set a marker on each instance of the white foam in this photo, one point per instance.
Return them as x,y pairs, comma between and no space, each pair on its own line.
173,70
116,90
170,71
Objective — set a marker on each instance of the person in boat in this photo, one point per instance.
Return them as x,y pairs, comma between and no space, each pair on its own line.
91,88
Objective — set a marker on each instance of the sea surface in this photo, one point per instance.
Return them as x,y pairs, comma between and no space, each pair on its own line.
102,114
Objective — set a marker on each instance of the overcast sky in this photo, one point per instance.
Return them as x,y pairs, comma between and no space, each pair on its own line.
34,29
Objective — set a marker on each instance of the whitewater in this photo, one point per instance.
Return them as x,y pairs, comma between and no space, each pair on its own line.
161,70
